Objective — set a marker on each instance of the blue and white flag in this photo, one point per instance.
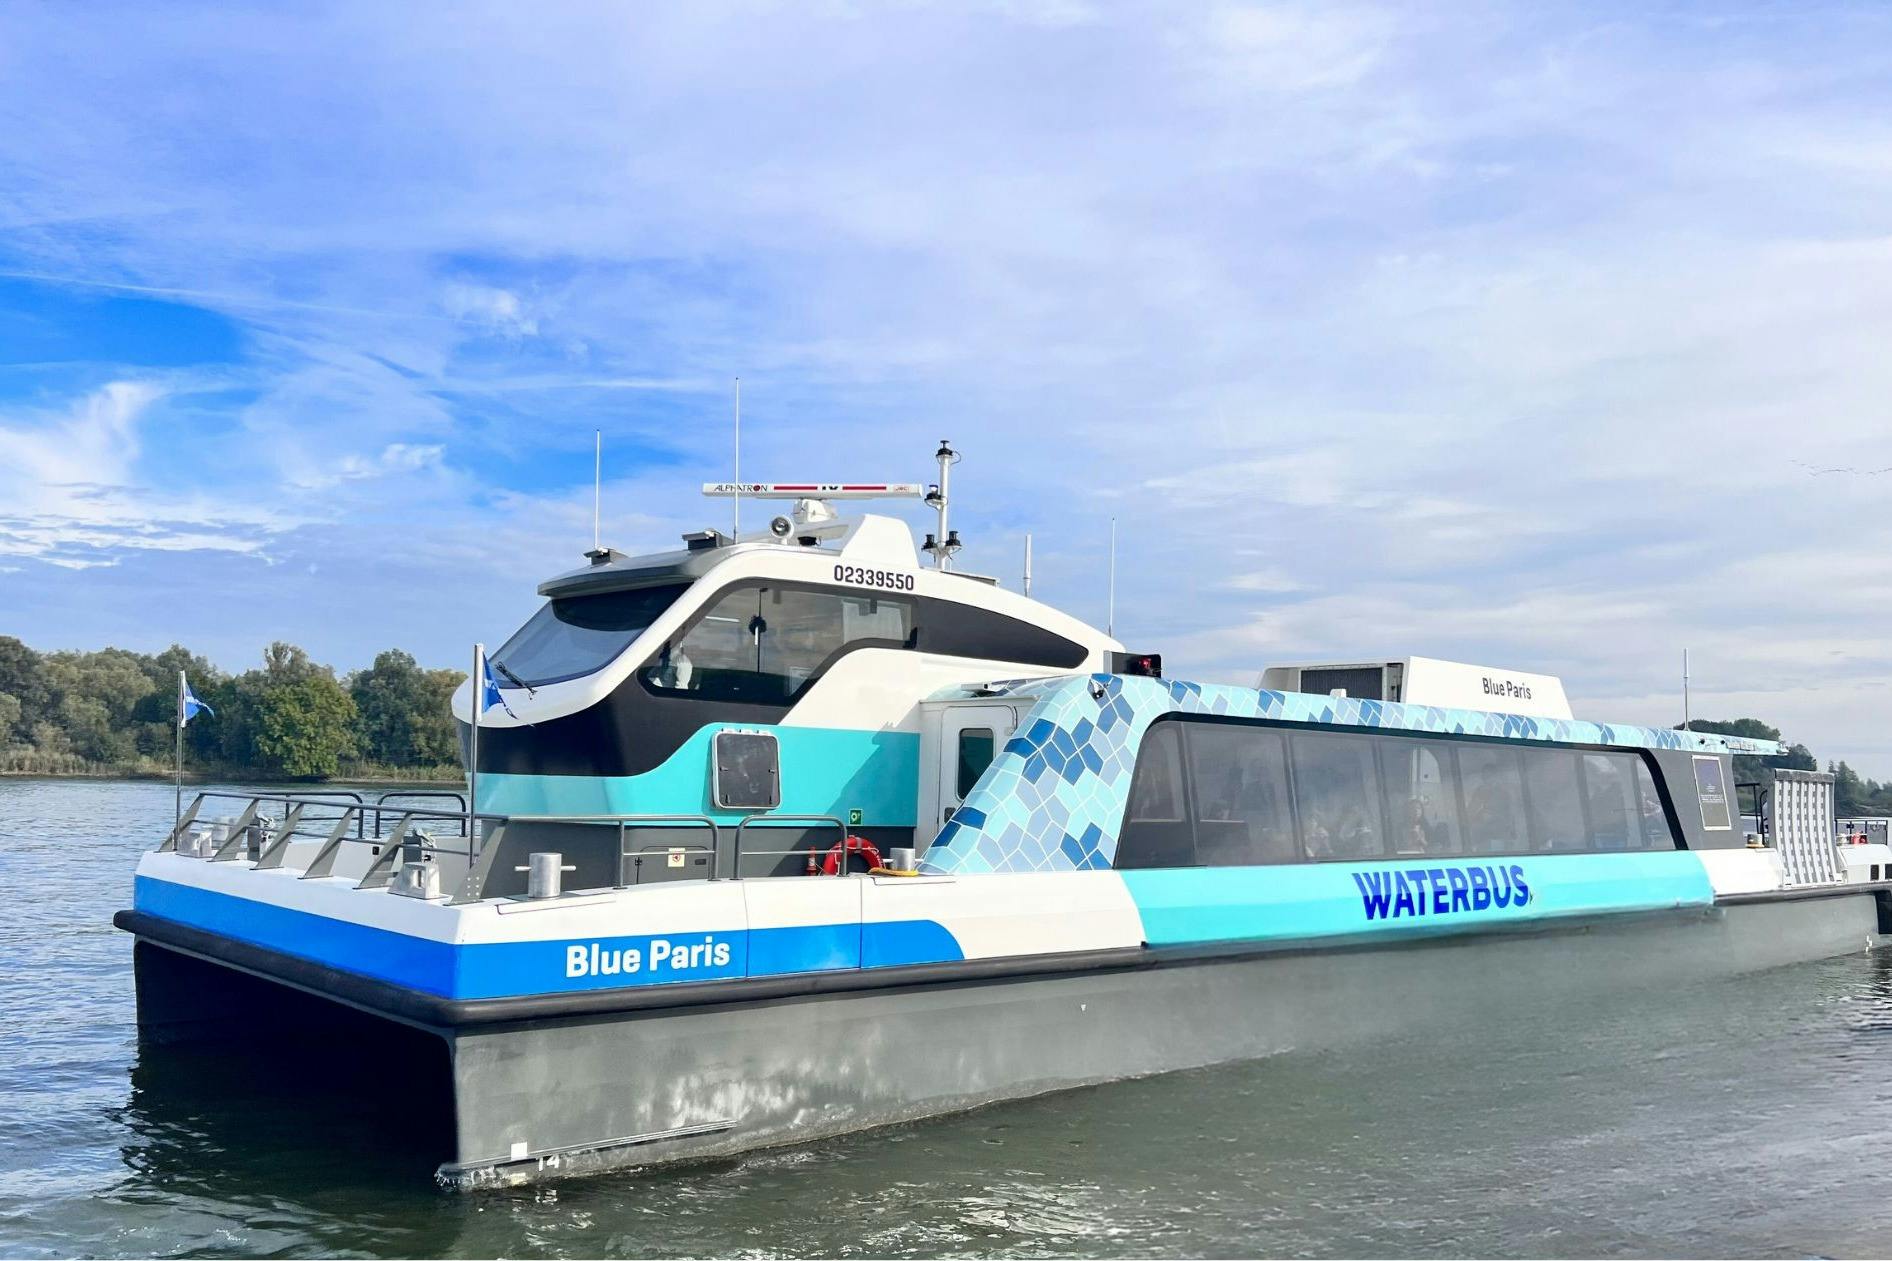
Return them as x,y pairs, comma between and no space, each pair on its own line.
187,703
492,696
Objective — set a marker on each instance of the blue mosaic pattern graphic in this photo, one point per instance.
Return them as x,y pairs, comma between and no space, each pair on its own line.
1053,798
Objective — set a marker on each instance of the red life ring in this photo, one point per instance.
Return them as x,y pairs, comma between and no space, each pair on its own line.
831,865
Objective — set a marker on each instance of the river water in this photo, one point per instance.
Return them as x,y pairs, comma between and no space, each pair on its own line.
1748,1118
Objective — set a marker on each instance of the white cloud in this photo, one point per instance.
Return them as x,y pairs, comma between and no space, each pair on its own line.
493,309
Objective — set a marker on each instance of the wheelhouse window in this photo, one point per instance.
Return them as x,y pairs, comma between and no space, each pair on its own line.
579,635
766,645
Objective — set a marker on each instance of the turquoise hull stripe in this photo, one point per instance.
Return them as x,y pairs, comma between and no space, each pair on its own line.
824,771
566,965
1421,895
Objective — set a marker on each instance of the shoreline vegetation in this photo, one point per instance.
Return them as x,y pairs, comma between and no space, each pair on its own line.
111,714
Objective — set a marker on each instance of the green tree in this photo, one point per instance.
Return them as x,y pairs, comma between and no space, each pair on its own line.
1747,767
23,677
94,694
304,727
1850,793
405,718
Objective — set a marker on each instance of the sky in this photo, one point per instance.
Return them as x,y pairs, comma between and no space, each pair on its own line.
1551,337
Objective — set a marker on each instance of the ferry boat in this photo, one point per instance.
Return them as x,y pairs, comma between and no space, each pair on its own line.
778,836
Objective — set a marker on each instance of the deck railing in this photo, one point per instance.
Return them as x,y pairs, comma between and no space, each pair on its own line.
265,826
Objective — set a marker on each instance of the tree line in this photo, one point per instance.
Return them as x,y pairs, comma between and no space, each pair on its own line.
115,712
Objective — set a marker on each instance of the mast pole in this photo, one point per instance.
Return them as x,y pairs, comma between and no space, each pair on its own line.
942,554
178,765
597,485
1028,564
473,748
1110,613
1685,715
735,526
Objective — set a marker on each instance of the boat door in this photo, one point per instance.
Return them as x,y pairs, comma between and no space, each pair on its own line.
970,737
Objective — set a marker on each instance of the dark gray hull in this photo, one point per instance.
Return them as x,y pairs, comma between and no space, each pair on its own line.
565,1095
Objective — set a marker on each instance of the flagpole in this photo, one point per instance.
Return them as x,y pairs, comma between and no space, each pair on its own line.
178,765
473,756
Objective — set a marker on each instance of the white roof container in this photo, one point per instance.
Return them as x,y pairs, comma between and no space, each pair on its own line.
1428,681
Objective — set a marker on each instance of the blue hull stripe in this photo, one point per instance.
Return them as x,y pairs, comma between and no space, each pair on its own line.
514,969
1204,904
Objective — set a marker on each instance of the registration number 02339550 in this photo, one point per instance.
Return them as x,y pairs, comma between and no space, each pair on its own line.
884,579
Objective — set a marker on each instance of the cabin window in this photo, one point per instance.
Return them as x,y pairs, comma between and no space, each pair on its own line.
1238,777
1336,783
1556,800
1609,796
579,635
1656,832
1493,792
1421,796
766,645
1156,831
1216,793
976,746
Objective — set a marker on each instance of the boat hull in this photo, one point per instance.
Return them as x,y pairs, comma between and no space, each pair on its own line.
557,1093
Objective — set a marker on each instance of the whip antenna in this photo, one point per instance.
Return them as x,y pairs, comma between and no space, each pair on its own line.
735,526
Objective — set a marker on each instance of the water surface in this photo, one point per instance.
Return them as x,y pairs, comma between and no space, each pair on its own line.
1749,1118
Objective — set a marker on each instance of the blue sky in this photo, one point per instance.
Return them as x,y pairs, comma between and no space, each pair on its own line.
1550,337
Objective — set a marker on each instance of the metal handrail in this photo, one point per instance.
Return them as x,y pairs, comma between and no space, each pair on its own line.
660,820
768,820
479,849
381,803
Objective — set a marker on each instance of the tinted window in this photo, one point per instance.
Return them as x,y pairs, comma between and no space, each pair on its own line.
1421,797
1493,792
1550,779
1155,832
1656,833
1239,779
1609,798
1336,783
975,754
580,634
767,644
960,630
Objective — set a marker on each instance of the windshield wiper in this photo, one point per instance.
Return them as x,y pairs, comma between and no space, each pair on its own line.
506,670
